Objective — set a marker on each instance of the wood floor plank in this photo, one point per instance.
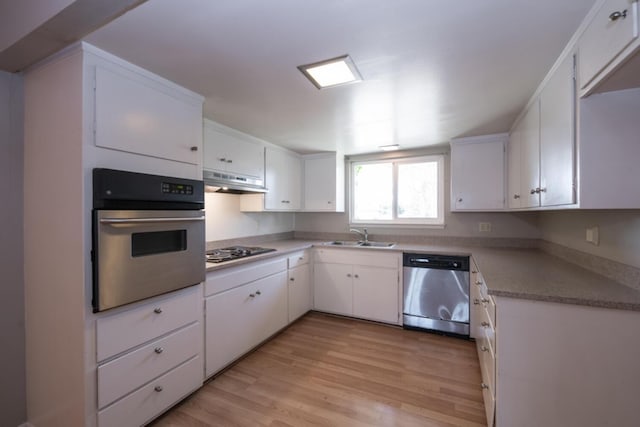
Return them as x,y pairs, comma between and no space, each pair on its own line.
331,371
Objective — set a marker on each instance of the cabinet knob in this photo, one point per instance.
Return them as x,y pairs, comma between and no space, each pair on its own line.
252,295
158,350
258,292
292,279
474,271
533,191
222,159
516,196
329,202
617,15
485,324
483,348
541,190
356,276
194,148
348,274
460,200
478,282
484,386
158,388
229,161
485,300
476,302
157,310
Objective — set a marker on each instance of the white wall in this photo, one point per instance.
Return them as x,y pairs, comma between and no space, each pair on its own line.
225,221
21,17
619,232
12,366
516,225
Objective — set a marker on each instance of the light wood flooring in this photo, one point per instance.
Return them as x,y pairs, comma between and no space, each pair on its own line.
331,371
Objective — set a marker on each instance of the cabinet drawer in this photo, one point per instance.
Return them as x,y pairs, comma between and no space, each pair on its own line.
154,398
299,258
123,330
605,38
359,257
124,374
219,281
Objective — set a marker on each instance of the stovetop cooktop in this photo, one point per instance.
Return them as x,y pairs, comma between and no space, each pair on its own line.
235,252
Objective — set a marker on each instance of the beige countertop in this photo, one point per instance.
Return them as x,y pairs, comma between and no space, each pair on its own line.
508,272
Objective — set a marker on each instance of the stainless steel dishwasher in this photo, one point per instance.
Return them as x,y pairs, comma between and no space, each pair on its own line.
436,293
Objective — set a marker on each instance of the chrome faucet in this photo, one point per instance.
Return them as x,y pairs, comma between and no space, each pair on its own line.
362,233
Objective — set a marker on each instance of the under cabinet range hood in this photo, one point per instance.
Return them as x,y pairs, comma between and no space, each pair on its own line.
221,182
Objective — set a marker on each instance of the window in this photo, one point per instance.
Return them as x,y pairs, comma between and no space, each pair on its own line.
398,191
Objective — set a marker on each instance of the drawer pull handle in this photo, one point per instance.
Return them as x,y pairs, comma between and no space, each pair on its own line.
617,15
485,324
258,292
158,388
474,271
476,302
485,300
478,282
484,386
158,350
157,310
483,348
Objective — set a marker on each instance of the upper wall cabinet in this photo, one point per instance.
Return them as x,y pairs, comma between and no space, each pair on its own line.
609,48
477,173
283,178
139,114
543,173
324,182
230,151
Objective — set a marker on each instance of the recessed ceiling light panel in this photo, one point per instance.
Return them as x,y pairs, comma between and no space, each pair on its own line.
332,72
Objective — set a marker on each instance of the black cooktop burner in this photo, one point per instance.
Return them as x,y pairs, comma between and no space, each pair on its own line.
234,252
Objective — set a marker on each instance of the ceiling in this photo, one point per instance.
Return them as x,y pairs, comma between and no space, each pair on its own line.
433,69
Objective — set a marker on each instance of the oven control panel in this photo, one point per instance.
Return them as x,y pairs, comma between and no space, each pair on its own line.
171,188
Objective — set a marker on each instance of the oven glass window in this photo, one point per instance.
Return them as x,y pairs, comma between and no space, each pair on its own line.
158,242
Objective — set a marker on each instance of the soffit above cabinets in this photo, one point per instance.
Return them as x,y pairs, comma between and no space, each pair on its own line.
432,70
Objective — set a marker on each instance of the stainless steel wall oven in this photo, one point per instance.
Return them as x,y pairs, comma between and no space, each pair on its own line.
148,236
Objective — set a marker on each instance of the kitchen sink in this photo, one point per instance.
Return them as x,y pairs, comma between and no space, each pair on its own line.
361,243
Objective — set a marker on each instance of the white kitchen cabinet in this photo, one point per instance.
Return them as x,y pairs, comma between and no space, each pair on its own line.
361,283
609,41
144,344
324,182
137,113
239,317
477,173
514,148
283,179
300,289
557,136
541,166
562,365
233,152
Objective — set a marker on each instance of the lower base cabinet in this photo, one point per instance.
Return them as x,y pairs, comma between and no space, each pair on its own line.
300,291
240,318
361,284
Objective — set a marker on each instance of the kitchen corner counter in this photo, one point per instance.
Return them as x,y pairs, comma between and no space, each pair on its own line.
535,275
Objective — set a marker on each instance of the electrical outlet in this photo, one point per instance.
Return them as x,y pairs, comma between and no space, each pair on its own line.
484,227
593,235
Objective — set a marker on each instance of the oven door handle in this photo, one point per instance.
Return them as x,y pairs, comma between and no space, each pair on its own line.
147,220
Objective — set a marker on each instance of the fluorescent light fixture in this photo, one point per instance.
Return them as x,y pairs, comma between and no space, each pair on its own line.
332,72
391,147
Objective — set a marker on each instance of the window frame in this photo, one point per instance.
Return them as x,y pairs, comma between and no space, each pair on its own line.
437,222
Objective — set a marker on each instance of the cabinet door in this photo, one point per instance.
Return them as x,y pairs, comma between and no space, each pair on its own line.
132,115
375,293
320,183
228,152
240,318
514,196
605,38
300,292
477,173
333,288
282,177
530,155
557,124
